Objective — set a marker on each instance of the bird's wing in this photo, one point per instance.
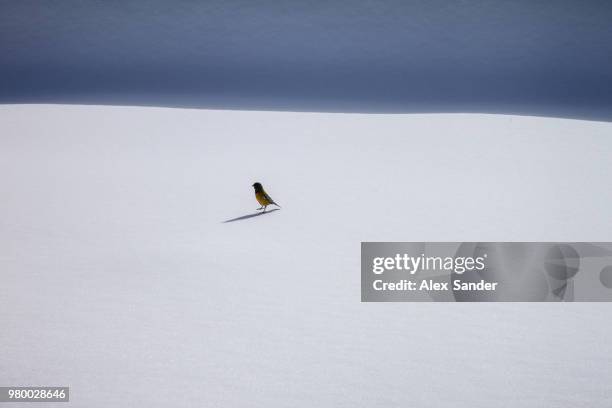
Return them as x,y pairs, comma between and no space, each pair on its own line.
267,197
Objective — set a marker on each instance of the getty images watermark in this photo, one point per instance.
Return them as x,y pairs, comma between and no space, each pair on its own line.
489,271
34,394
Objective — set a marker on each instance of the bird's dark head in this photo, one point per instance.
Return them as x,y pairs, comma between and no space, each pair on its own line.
258,187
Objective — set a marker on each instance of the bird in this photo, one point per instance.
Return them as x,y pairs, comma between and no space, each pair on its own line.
262,197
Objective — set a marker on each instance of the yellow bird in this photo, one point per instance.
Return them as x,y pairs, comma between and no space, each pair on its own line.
262,197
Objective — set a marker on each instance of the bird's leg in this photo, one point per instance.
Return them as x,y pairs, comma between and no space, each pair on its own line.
265,206
260,208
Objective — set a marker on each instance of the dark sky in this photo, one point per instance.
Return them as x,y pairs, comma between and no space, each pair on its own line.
534,57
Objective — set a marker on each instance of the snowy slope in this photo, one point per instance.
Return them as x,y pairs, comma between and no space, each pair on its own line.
121,279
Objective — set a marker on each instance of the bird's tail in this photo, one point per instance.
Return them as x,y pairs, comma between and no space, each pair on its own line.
276,204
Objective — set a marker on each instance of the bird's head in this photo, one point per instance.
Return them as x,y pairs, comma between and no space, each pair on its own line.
257,186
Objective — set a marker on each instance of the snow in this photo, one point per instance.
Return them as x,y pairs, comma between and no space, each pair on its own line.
121,279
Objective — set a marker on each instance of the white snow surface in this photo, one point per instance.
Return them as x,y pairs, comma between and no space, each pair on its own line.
120,279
